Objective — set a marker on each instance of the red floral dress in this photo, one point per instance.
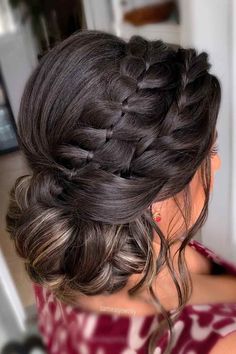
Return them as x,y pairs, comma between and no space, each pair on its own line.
73,330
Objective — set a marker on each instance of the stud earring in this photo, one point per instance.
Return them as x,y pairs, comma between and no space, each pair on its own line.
157,214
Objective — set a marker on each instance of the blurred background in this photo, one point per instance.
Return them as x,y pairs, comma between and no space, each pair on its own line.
28,29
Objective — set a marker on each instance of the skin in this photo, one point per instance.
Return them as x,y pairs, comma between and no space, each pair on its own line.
205,286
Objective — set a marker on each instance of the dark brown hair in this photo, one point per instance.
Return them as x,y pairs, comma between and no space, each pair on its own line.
109,127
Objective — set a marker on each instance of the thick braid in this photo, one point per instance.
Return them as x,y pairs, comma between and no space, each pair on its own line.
189,101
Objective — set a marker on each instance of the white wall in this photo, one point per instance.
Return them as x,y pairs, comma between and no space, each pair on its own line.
98,14
12,313
207,25
233,113
17,59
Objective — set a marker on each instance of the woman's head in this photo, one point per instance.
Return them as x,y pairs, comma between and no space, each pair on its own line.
109,128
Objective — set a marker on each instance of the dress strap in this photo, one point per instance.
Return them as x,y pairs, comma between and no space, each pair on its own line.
229,267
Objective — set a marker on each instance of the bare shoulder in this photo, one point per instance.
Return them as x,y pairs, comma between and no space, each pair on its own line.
225,345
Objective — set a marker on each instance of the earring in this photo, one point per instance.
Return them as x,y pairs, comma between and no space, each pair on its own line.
157,215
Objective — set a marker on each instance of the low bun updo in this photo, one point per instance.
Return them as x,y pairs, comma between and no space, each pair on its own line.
108,127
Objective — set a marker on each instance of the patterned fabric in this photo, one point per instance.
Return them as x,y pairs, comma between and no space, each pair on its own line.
73,330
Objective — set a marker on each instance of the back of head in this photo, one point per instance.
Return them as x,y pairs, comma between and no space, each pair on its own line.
107,127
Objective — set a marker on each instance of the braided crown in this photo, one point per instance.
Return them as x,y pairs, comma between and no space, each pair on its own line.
125,89
148,71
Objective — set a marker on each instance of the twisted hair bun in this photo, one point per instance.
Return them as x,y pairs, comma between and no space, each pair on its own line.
107,127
